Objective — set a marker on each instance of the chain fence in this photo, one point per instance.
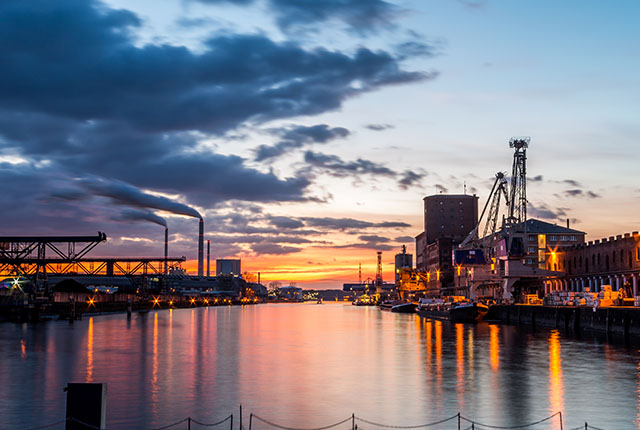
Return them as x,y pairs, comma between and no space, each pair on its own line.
354,423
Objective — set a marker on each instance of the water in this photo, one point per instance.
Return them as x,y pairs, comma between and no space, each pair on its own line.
309,365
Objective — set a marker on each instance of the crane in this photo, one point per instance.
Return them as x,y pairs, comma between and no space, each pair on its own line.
493,204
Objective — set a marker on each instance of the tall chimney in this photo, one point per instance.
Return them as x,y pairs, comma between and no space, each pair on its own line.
201,248
208,257
568,223
166,248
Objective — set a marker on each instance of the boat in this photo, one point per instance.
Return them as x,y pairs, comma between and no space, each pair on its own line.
405,308
388,304
398,306
364,300
454,311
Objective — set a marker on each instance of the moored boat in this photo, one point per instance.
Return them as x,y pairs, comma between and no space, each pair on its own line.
461,311
404,308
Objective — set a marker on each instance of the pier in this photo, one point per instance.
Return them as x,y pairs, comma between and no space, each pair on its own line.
621,320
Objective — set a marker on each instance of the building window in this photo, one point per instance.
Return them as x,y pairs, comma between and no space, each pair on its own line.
553,238
564,238
572,238
532,238
531,250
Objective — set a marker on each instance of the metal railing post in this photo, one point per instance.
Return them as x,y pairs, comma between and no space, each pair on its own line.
189,423
560,420
353,421
250,420
458,420
231,425
240,417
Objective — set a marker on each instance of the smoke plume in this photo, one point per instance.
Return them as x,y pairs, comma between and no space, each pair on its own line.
142,215
128,195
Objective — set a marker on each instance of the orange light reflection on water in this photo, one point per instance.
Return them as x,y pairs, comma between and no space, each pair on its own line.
494,347
154,365
90,351
556,386
460,364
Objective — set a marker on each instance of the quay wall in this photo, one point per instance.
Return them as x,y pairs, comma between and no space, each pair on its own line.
616,320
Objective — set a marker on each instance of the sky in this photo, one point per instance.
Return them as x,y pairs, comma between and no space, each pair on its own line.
307,132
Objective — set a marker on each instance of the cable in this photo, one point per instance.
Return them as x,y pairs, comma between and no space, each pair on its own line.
294,428
512,427
214,424
407,427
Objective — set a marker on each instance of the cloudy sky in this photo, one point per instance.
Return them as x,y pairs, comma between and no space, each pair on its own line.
307,132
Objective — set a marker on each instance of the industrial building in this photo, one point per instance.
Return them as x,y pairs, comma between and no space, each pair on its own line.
448,218
228,267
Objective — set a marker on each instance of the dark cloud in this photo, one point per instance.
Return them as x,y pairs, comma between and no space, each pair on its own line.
373,238
362,17
367,245
100,104
414,49
538,178
571,182
334,165
379,127
405,239
342,224
274,249
545,212
298,136
410,178
580,193
441,188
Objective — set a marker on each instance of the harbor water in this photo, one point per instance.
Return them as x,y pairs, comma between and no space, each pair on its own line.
310,365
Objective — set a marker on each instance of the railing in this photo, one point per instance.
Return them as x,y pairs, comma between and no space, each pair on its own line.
456,421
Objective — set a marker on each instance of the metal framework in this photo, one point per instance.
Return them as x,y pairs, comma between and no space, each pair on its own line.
26,255
518,189
379,269
95,266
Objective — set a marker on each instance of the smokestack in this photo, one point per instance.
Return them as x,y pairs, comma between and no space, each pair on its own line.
208,257
568,223
201,248
166,248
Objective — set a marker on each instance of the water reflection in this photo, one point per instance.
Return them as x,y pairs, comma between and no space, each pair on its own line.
306,366
494,346
556,387
89,377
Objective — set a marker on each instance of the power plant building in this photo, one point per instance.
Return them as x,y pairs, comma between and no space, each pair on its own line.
228,267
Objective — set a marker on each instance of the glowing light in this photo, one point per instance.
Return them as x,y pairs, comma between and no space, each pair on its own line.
437,275
91,302
459,269
206,302
192,301
556,387
156,301
494,346
170,302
